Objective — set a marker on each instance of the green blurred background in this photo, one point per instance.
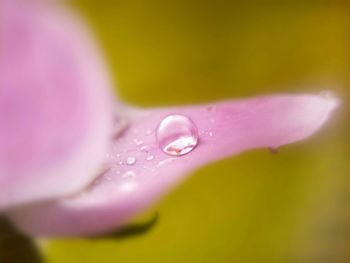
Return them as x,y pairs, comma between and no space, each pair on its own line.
290,207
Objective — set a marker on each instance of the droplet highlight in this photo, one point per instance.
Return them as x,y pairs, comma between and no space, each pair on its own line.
177,135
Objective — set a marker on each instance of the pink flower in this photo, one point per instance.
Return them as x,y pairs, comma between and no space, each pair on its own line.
73,162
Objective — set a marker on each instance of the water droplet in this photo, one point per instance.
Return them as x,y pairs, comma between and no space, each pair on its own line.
169,160
177,135
128,175
210,134
130,160
129,183
149,157
144,148
138,142
148,132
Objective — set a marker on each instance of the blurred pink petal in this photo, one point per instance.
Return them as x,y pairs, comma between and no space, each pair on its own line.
139,172
55,104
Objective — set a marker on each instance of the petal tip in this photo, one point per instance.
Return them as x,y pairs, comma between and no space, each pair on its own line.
332,99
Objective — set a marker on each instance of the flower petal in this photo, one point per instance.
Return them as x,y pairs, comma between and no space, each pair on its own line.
130,185
55,104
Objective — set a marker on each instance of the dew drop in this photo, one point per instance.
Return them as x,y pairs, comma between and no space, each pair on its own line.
128,175
144,148
129,183
149,157
166,161
177,135
138,142
130,160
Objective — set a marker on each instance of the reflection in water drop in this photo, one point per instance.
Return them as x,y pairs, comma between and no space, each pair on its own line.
177,135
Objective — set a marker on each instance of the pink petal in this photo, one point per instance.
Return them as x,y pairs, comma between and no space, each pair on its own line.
54,104
124,190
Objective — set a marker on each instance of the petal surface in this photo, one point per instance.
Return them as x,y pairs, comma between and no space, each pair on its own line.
138,172
55,103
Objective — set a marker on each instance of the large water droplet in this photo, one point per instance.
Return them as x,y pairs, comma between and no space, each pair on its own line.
177,135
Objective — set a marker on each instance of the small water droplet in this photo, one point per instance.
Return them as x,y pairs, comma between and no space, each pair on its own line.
138,142
144,148
130,160
177,135
129,183
149,157
210,134
169,160
128,175
148,132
